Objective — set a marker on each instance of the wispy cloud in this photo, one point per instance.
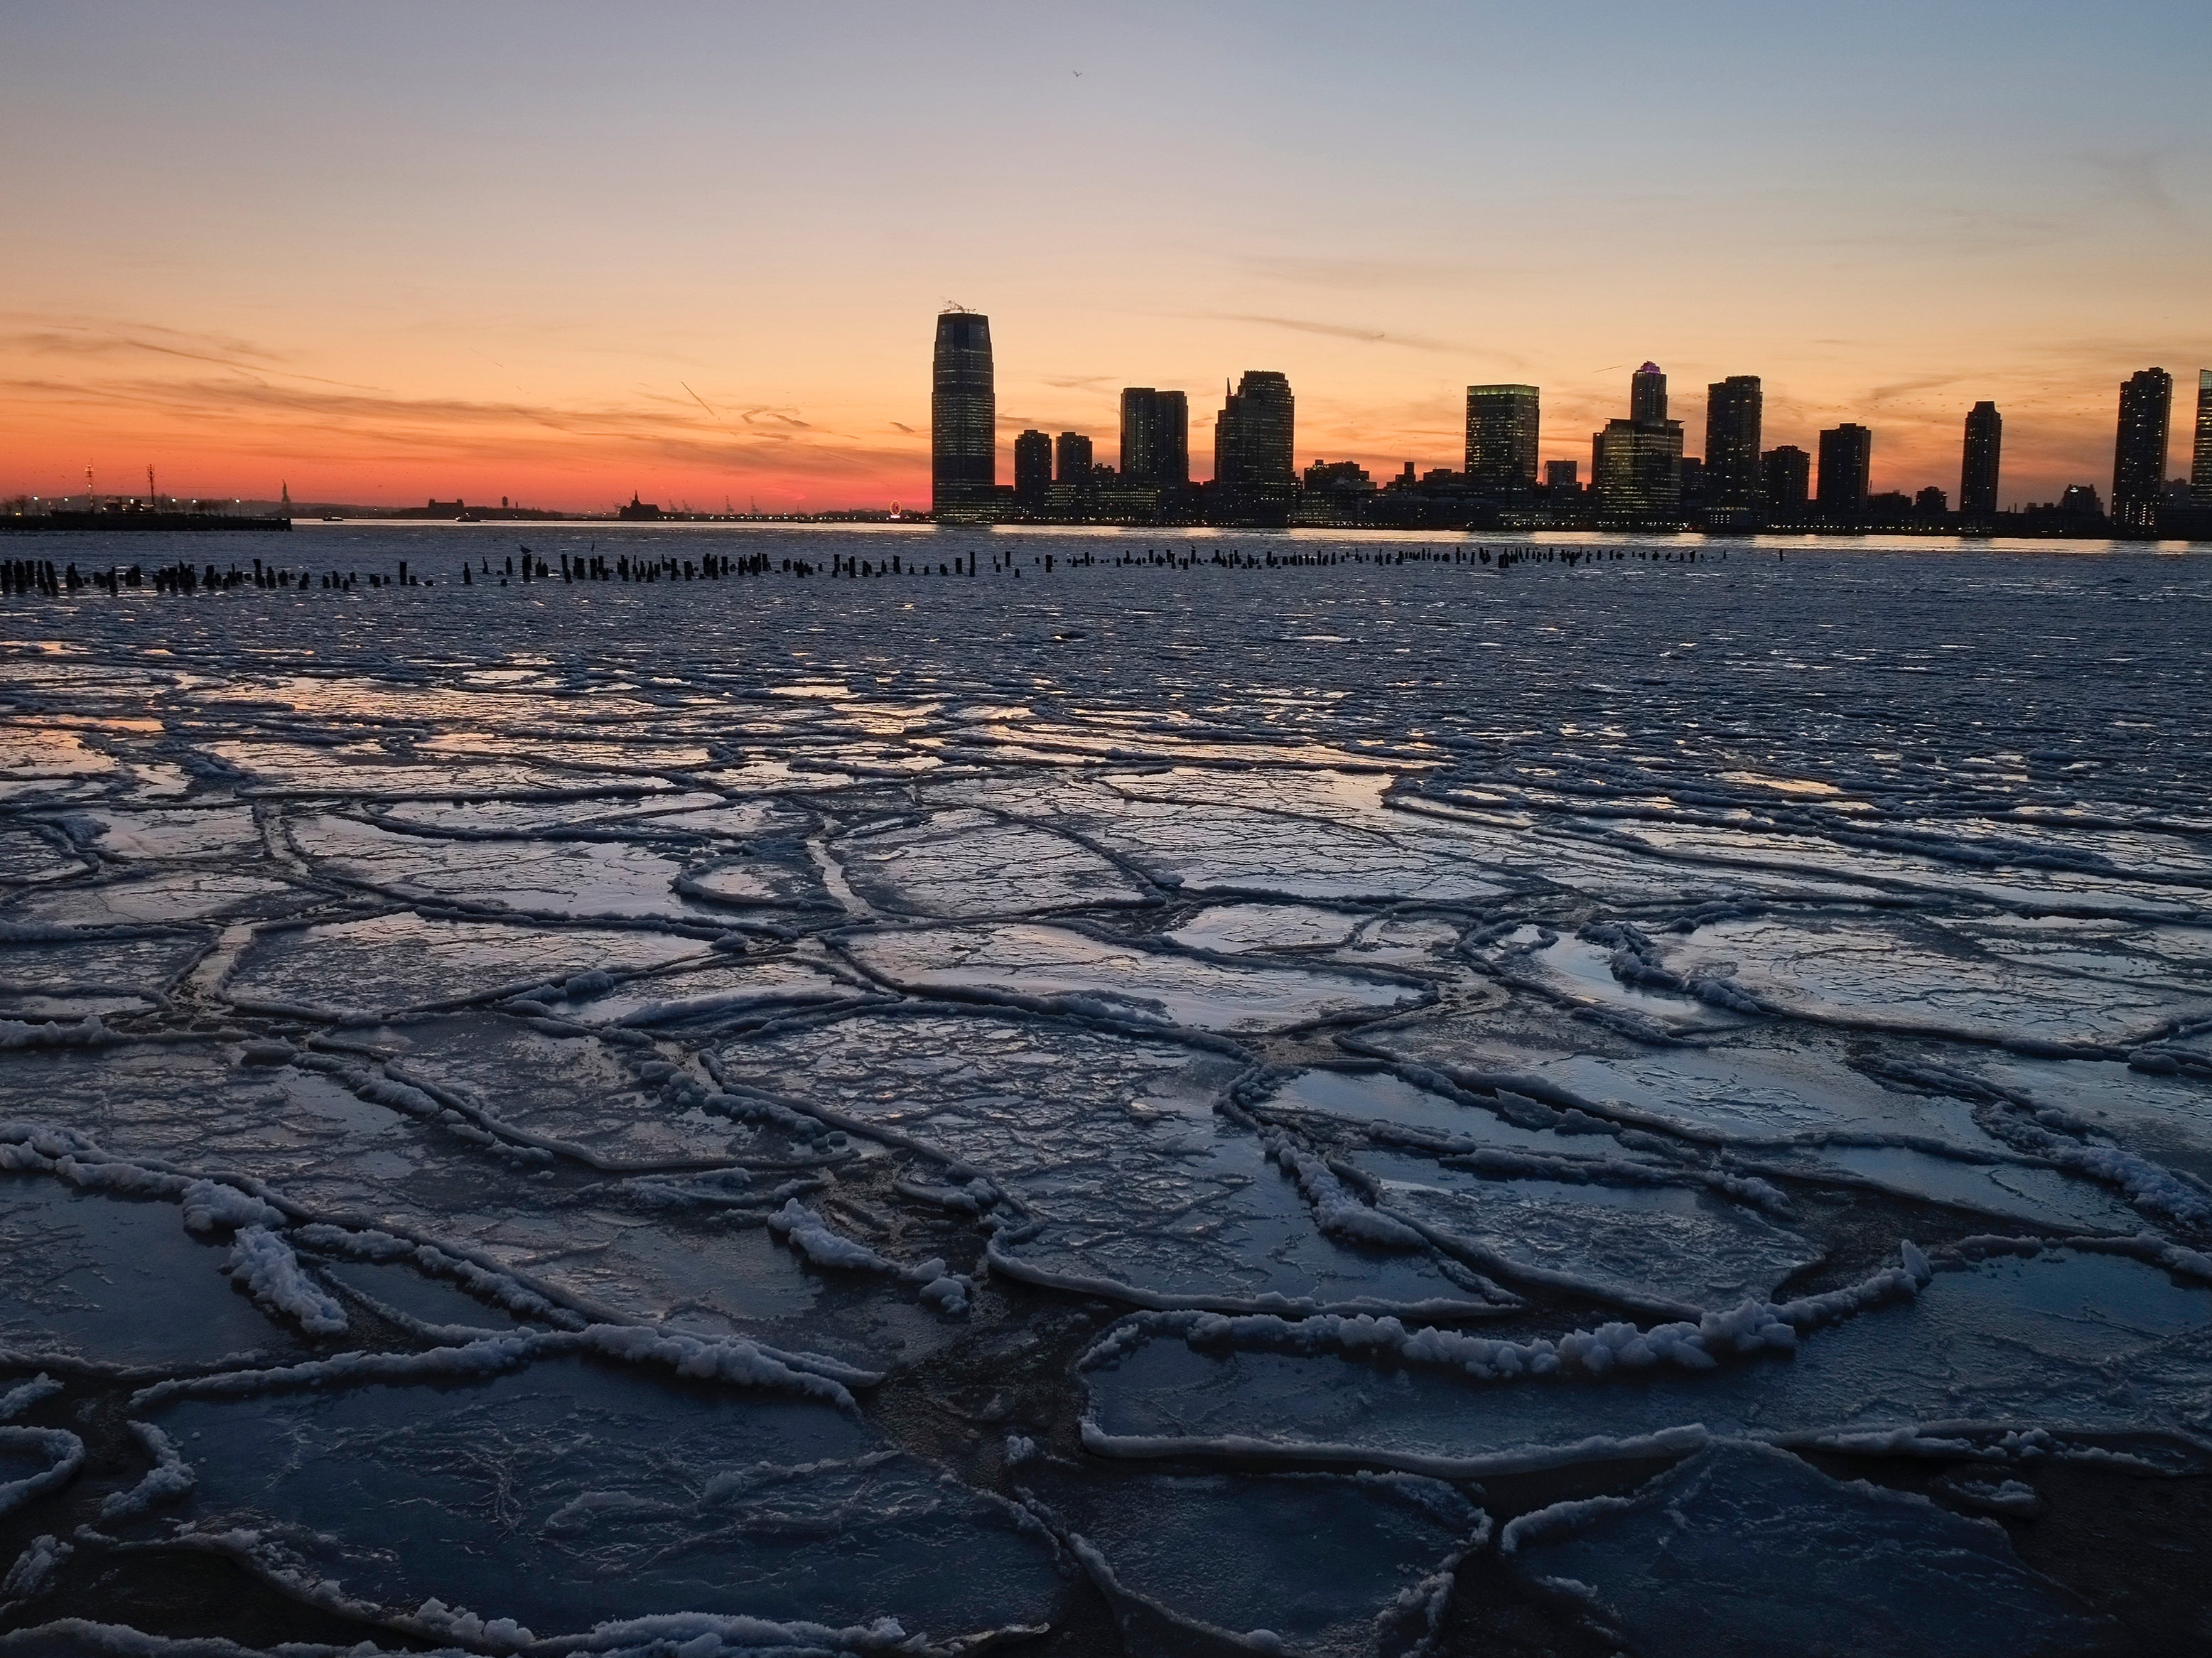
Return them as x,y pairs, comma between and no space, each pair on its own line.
1336,331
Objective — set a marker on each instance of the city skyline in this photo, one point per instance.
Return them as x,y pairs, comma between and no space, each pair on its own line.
548,254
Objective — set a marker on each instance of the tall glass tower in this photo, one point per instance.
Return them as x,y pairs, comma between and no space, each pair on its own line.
964,412
2139,448
2200,469
1501,438
1733,412
1253,439
1978,472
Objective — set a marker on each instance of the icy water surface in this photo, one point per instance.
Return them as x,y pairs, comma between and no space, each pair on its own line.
1366,1105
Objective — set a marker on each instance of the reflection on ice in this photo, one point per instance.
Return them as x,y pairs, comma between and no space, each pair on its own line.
1083,972
1744,1548
570,1493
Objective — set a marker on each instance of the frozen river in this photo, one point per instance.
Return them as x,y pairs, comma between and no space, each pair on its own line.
1185,1103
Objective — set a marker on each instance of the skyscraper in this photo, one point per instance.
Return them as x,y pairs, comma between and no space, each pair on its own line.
1978,474
2139,449
1636,465
1646,395
1846,470
1788,481
1501,439
1254,440
964,412
1733,482
2200,469
1072,455
1032,470
1155,438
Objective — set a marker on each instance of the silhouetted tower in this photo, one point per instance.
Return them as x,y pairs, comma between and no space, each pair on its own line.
1978,473
1786,480
1074,458
963,413
1155,437
1501,439
2200,468
1032,470
2139,449
1733,414
1254,440
1846,470
1636,465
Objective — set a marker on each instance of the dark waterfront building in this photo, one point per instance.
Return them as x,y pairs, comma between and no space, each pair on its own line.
2139,450
1978,472
2200,467
963,413
1636,465
1734,484
1032,470
1255,441
1072,459
1560,476
1501,439
1155,438
1786,476
1846,470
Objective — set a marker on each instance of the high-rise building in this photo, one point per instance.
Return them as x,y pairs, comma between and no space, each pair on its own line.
1032,470
1501,439
1155,438
1072,459
2200,468
1636,465
1787,479
1732,432
2139,449
1846,470
963,413
1978,472
1254,440
1561,475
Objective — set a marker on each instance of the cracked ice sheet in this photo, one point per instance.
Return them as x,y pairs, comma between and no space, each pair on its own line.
1141,1189
2166,1118
155,899
1236,929
573,1492
1798,1102
26,856
576,1089
592,1241
2062,1341
706,995
1580,973
1652,1245
1745,1549
1087,973
1885,972
390,964
521,818
587,880
957,863
1208,847
1332,1565
1814,856
91,1276
51,980
182,832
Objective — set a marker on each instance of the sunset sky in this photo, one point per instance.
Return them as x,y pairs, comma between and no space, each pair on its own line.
557,253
